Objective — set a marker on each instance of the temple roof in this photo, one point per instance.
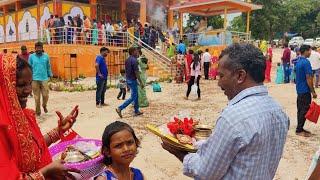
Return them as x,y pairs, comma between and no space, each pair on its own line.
214,7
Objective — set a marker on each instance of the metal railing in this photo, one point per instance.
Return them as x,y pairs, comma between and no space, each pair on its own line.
72,35
216,37
161,60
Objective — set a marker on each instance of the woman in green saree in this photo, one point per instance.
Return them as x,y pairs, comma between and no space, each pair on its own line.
95,33
142,94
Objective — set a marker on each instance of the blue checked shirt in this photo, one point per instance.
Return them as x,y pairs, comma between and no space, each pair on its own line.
247,142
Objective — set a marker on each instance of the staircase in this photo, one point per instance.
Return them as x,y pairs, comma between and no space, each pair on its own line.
159,65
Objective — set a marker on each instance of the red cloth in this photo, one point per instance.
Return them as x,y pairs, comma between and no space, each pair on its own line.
188,66
268,71
286,55
23,149
268,65
270,53
25,56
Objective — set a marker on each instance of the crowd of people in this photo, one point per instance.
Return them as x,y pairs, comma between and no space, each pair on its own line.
24,153
75,30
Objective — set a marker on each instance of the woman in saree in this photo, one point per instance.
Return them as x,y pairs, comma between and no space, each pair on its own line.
189,58
95,33
24,150
180,67
142,94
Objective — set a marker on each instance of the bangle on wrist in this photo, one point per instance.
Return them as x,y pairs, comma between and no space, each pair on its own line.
37,176
54,135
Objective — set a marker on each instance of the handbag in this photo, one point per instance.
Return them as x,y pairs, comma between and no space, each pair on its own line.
156,87
313,112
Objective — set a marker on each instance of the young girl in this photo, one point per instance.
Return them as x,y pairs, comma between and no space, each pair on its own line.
119,146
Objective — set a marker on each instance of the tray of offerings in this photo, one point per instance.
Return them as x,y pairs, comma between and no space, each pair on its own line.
183,135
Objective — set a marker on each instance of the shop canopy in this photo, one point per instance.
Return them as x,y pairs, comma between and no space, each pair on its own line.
214,7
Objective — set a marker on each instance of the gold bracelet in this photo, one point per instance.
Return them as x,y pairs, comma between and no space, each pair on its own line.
37,176
54,135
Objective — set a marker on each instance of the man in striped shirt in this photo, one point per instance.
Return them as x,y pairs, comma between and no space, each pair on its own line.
250,133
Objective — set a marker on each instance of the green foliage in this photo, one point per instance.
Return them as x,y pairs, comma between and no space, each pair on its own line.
215,21
280,16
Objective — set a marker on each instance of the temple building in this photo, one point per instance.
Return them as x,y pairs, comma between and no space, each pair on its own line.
23,22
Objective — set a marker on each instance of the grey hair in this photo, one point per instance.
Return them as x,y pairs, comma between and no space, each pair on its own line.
247,57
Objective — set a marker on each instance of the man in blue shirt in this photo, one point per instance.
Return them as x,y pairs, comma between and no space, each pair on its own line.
132,75
304,87
101,76
41,72
181,47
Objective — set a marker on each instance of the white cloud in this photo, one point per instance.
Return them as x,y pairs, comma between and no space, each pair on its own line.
28,27
10,30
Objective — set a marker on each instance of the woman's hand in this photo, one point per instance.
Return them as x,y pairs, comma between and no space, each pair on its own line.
65,123
56,170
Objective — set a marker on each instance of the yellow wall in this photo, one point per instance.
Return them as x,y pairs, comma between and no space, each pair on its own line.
13,17
67,6
33,12
49,5
1,21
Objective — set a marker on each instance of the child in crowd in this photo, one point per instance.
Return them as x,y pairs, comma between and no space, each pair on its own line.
119,147
122,85
280,75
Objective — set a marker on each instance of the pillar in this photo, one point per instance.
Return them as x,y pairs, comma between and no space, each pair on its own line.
225,18
5,12
93,9
248,22
123,10
170,16
143,12
17,8
180,23
39,2
225,26
57,7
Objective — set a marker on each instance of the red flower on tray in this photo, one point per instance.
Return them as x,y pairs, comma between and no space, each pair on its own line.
182,127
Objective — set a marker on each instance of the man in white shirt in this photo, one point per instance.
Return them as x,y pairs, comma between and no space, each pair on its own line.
206,63
315,64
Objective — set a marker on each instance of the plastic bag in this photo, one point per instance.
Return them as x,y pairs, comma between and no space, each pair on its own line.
156,87
313,112
194,89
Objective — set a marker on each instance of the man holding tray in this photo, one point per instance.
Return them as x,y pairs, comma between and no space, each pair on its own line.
249,136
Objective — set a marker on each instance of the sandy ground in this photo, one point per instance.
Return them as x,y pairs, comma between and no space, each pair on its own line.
155,162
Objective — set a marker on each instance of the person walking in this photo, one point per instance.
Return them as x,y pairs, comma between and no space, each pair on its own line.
315,64
206,63
181,47
304,88
41,72
286,63
132,75
269,56
122,85
101,76
142,92
250,133
195,75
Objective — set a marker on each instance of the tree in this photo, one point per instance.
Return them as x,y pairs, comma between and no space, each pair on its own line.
215,21
280,16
